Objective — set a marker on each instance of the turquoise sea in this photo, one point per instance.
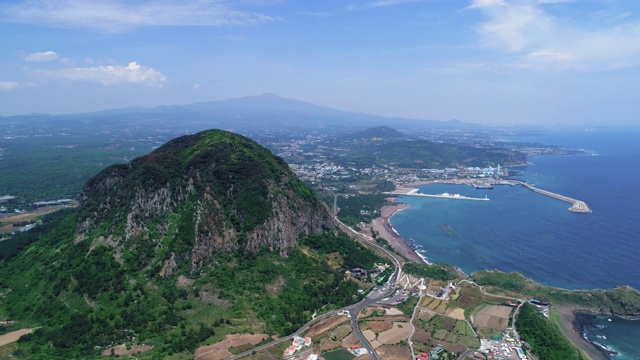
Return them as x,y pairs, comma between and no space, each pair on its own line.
519,230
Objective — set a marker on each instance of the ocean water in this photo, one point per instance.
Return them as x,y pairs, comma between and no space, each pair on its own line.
519,230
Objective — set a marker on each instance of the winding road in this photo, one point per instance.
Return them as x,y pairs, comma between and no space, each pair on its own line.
389,288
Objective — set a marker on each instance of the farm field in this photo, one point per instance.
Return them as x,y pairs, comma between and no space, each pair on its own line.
494,317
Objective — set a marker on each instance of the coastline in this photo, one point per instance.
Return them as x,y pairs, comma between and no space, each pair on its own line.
383,227
571,328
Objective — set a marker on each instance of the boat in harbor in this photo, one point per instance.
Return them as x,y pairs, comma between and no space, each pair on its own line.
446,194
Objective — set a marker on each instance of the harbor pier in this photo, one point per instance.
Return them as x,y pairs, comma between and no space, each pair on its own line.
414,192
577,206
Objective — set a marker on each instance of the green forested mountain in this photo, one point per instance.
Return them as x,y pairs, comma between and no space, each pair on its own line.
210,234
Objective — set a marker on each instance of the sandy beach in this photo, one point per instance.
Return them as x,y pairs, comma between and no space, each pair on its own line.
382,226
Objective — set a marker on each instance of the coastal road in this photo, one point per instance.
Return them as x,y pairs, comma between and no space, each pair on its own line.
389,288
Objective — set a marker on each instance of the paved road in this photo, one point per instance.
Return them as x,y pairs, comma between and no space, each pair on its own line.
372,298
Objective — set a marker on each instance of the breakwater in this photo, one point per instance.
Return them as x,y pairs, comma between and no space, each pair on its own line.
414,192
577,206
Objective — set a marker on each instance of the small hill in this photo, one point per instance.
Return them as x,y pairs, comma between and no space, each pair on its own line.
208,235
379,133
386,146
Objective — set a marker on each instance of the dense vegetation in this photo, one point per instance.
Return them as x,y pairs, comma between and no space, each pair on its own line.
424,154
436,271
87,301
20,240
360,208
120,269
623,300
353,254
545,338
55,166
510,281
378,133
234,170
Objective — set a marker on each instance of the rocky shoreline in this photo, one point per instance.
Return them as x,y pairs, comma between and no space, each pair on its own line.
572,328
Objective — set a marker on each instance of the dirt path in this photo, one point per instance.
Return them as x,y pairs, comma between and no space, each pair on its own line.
13,336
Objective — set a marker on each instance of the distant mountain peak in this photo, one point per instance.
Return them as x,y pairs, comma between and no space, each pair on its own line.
271,95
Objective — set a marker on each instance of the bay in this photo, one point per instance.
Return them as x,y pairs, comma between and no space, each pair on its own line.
519,230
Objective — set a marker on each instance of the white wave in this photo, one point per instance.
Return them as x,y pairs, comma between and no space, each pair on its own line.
424,258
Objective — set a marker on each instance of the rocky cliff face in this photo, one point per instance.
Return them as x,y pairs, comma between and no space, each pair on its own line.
199,195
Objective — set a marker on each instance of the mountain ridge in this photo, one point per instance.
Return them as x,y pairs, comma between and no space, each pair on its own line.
255,110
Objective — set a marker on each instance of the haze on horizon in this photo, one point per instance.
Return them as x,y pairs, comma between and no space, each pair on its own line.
481,61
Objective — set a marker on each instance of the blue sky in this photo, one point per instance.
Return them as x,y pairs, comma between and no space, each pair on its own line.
483,61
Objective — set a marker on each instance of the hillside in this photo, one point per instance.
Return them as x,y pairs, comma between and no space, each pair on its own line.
222,192
208,235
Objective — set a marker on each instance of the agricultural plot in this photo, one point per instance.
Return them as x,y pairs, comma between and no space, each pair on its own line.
426,301
442,308
444,329
340,354
330,333
379,326
469,296
220,350
400,331
455,312
463,328
434,304
493,317
392,352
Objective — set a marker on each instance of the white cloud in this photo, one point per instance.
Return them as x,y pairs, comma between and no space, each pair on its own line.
527,31
8,85
380,3
478,4
111,75
115,16
196,86
41,56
